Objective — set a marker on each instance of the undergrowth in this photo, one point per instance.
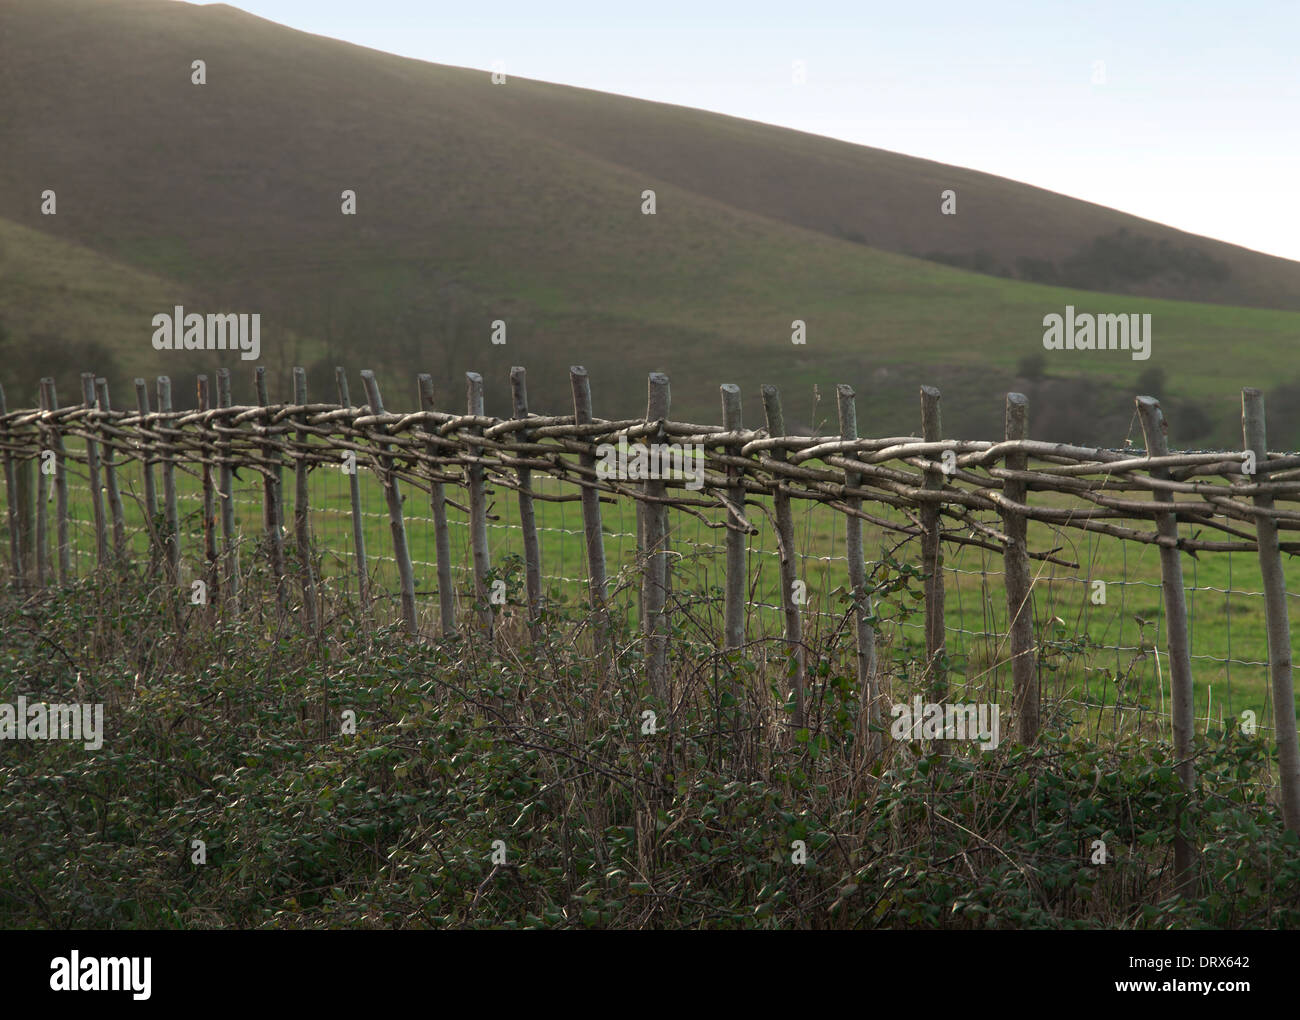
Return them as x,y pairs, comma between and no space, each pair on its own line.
229,791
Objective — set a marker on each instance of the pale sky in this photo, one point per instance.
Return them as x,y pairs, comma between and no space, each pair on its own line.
1193,121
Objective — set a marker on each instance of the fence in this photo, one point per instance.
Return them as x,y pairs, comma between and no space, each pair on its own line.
949,495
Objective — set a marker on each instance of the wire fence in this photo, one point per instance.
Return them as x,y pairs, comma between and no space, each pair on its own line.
479,486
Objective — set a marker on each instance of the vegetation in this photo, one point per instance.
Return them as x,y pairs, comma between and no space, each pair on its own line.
521,202
1118,262
227,729
256,773
1110,654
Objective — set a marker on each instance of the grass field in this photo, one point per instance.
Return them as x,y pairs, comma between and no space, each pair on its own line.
522,203
1085,646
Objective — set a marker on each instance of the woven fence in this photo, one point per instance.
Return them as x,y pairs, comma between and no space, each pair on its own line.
945,494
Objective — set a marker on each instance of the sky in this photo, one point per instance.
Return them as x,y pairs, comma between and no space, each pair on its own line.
1186,112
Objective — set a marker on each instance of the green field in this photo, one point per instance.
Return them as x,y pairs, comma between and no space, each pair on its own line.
1085,644
523,203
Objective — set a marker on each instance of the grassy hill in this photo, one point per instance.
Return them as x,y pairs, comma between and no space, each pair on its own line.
522,202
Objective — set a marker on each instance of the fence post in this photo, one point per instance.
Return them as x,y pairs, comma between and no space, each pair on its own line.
11,508
354,491
441,536
42,498
92,466
866,633
1275,615
597,584
1154,429
26,496
527,517
301,508
641,558
1015,558
785,540
110,474
733,610
230,548
478,505
271,481
60,487
932,554
172,538
393,496
150,491
204,396
654,584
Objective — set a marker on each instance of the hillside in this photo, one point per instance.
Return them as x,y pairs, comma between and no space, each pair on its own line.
522,202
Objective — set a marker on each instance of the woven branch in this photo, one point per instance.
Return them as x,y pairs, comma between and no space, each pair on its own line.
425,447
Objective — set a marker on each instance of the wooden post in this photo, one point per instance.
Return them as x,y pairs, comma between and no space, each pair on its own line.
150,490
441,536
272,522
1275,615
932,555
527,517
733,610
1015,559
642,557
11,508
789,569
229,541
92,466
204,395
1154,430
42,499
478,506
358,522
654,584
171,528
110,477
62,538
393,496
866,633
301,510
597,582
26,497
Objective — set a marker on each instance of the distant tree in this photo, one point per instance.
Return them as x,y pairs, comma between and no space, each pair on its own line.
1282,411
1065,411
1188,422
1119,260
1151,383
1036,270
1032,367
982,261
28,359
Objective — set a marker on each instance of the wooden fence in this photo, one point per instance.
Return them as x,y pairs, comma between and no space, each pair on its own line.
947,491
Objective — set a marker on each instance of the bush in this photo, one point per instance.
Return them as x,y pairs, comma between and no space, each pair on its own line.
229,730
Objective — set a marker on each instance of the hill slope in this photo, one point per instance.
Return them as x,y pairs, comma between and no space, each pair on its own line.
522,202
